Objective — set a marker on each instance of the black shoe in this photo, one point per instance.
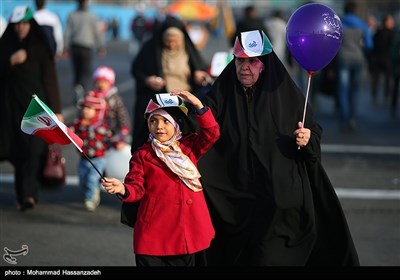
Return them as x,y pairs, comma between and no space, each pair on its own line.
352,124
29,203
347,127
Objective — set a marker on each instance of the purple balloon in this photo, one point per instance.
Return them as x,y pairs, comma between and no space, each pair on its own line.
314,35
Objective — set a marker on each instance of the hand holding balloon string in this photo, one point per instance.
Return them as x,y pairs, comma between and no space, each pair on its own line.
313,35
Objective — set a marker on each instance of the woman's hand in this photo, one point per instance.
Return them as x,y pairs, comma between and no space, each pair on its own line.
113,186
202,78
302,135
18,57
155,83
188,97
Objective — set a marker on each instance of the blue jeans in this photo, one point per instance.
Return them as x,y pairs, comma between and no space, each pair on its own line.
349,84
89,179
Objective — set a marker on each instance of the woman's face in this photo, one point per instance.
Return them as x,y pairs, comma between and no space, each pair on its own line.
22,29
248,70
172,42
161,128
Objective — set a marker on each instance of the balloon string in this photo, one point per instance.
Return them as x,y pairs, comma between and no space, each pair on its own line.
310,73
306,100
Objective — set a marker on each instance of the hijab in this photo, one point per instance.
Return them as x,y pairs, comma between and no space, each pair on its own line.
171,154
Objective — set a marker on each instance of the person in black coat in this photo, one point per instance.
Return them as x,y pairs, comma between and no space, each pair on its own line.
250,21
270,199
27,67
159,67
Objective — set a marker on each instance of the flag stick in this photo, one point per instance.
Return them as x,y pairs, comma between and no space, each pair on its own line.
101,175
310,73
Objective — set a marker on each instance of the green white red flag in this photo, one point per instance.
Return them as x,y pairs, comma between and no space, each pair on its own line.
39,120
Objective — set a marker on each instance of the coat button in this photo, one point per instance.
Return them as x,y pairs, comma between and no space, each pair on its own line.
189,201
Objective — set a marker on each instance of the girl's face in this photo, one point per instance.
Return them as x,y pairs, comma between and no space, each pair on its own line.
161,128
88,113
22,29
103,85
248,70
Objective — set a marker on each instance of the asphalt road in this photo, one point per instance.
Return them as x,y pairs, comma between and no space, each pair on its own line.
364,167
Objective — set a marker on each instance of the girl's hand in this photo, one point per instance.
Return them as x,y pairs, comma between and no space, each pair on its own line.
113,186
188,97
60,117
120,145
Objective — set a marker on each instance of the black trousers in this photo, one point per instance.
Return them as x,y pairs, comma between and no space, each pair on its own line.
189,260
82,58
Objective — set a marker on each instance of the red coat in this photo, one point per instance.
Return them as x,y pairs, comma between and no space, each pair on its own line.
172,219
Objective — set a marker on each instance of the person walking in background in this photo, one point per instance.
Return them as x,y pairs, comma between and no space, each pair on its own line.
356,46
115,115
224,23
381,62
276,26
26,67
166,61
163,176
50,22
114,27
373,25
81,38
96,136
138,28
250,21
270,199
395,58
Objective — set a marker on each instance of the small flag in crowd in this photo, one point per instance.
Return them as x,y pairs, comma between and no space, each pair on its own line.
39,120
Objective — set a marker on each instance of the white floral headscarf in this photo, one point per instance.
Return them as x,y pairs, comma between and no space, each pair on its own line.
171,153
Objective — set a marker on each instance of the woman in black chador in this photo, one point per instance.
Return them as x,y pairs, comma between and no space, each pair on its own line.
168,60
27,67
269,196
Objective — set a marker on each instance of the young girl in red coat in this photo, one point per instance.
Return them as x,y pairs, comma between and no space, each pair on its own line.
173,219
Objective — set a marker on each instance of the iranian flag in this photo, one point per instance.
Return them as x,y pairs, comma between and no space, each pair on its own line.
40,120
